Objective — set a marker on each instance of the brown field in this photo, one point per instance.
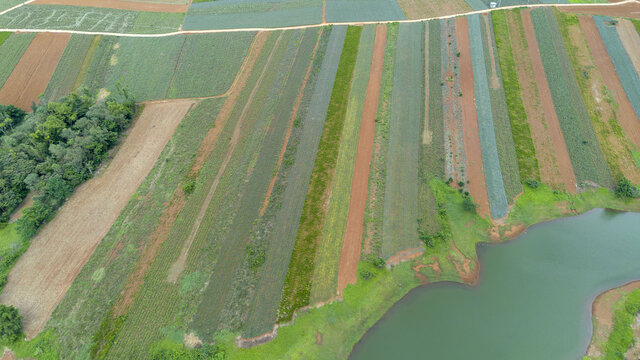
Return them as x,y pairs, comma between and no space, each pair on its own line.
30,77
64,245
474,169
418,9
625,114
352,243
631,41
631,10
552,127
120,5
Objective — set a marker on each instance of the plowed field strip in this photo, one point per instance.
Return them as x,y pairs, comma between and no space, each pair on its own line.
118,4
631,41
552,122
65,244
351,245
31,76
474,168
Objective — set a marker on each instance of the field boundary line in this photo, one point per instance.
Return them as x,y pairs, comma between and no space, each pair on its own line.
298,27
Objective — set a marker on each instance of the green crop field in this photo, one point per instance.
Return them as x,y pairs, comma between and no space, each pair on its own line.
527,160
435,160
363,10
12,49
588,161
68,68
400,217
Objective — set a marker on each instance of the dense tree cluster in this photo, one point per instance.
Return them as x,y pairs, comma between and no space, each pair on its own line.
626,190
10,117
10,324
55,149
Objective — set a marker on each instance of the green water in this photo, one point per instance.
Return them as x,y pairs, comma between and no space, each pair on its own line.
533,299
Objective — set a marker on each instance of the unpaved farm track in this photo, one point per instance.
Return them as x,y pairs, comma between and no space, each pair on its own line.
30,77
44,273
118,4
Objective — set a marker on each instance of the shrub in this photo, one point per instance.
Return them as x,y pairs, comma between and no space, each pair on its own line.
532,183
626,190
10,323
189,186
468,204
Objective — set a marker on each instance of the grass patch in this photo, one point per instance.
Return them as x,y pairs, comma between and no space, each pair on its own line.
527,160
86,63
4,36
297,287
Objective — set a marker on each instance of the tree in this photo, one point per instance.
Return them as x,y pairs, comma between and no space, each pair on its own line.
468,204
10,323
626,190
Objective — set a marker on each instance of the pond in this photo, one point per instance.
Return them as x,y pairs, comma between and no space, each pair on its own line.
533,300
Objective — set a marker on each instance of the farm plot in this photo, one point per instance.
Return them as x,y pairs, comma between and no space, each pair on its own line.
225,14
120,5
490,154
208,64
288,197
502,125
588,161
12,49
420,9
631,40
630,9
297,287
600,104
68,18
433,130
362,10
90,298
400,217
69,67
377,177
525,150
624,67
325,276
32,73
64,245
6,4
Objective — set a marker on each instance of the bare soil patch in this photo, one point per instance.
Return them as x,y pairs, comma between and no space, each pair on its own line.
419,9
30,77
404,255
474,169
625,113
119,4
631,10
469,276
630,41
43,274
552,124
352,243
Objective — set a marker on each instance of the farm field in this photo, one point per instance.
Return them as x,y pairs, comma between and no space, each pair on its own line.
152,6
281,189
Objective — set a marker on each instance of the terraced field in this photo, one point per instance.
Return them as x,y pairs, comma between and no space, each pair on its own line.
327,166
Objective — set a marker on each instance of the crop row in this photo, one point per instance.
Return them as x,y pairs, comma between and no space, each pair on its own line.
363,10
12,49
586,156
435,125
68,68
490,155
401,193
297,288
527,160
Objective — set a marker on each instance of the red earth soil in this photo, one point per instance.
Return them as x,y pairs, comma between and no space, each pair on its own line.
473,151
30,77
623,10
64,245
553,124
352,243
626,115
119,4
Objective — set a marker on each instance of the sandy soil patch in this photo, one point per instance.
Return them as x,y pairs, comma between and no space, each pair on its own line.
630,41
474,169
631,10
43,274
467,275
352,243
8,355
30,77
626,114
552,124
419,9
404,255
602,312
119,4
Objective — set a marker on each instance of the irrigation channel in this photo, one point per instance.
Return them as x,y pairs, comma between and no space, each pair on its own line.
533,300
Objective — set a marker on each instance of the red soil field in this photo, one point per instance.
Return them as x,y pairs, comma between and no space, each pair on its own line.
30,77
352,243
119,4
631,10
474,169
565,167
626,115
64,245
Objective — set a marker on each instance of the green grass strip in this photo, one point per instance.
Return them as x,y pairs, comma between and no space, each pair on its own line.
527,160
297,288
4,36
636,23
621,336
86,63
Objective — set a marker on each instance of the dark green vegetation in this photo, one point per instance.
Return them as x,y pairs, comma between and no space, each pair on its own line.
621,337
626,190
527,160
10,117
4,36
10,324
297,288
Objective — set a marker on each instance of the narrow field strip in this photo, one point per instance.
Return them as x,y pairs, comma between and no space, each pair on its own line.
297,288
551,127
81,77
12,49
270,279
32,73
119,4
490,155
352,242
325,276
472,146
626,115
68,67
85,219
400,217
631,41
433,135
